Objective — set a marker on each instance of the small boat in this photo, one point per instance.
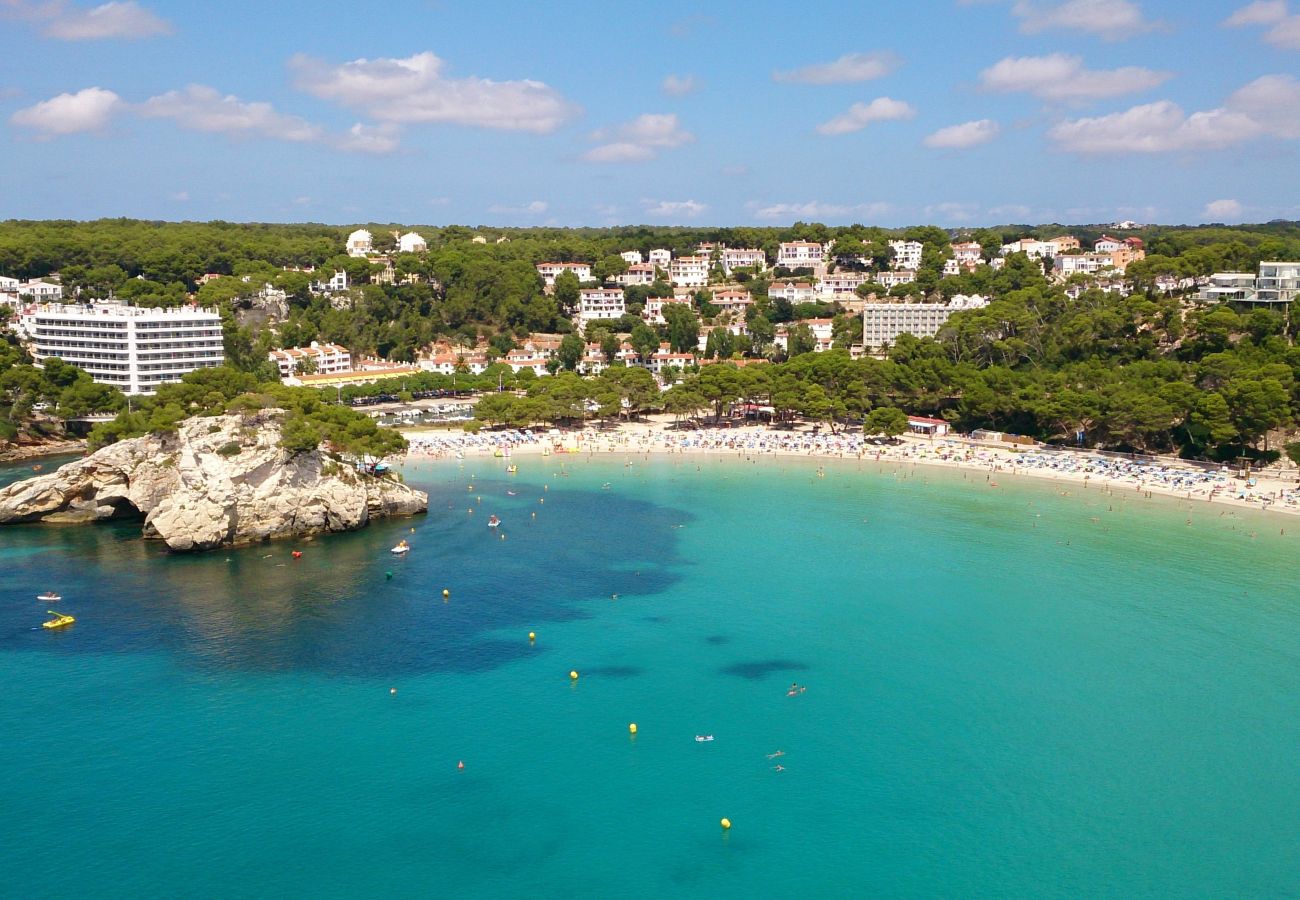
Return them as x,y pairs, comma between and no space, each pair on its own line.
703,738
49,597
401,548
510,470
493,521
59,621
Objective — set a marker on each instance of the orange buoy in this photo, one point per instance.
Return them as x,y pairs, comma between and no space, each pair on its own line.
297,554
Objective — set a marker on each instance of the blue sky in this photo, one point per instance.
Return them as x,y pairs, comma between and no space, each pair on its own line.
953,112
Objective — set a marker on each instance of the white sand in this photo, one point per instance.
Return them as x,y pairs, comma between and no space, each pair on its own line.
1148,476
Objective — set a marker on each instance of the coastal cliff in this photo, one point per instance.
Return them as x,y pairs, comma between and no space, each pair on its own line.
214,482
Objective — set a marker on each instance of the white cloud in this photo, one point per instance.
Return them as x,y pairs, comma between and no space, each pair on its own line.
1285,34
415,89
1060,77
202,108
376,139
89,109
1261,12
68,22
1222,210
680,85
967,134
860,115
1012,210
180,196
673,209
951,212
638,140
535,208
198,108
849,68
1108,19
1267,107
126,19
816,210
1285,30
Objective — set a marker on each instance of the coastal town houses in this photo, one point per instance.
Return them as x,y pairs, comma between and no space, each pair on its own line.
732,302
637,273
134,349
882,323
336,283
548,271
822,332
794,291
1036,249
445,361
802,255
1276,283
596,304
967,254
360,243
653,311
322,359
689,271
890,280
840,284
734,258
412,243
660,258
907,254
632,257
665,357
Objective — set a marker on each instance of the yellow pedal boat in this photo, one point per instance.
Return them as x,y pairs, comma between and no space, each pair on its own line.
59,621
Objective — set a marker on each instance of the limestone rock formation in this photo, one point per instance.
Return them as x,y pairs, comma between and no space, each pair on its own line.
216,482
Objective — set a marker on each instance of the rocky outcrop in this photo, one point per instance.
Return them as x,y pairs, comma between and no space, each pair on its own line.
216,482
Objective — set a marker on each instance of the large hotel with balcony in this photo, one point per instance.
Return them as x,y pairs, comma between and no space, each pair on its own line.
134,349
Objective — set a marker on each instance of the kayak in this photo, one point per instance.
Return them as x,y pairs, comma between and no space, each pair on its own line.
703,738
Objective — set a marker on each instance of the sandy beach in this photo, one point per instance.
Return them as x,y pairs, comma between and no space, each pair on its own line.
1145,476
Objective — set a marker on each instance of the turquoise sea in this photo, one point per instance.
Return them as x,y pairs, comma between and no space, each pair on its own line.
1010,691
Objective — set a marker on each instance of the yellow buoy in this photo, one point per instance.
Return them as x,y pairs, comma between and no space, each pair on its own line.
532,635
726,824
573,676
446,593
631,728
392,690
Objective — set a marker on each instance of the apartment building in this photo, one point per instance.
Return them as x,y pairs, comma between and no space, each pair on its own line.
131,348
801,255
595,304
907,254
689,271
882,323
327,358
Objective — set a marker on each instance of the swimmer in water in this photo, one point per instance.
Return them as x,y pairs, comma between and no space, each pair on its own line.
776,754
778,768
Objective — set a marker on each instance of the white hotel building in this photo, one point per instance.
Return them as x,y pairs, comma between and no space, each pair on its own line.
882,323
131,348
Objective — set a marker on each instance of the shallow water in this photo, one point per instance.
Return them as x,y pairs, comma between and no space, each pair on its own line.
1009,691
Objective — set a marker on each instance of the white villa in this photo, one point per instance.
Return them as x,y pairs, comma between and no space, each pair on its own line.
801,255
360,243
548,271
412,243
